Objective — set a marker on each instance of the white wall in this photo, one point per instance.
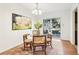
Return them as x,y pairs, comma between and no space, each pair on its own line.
65,22
8,37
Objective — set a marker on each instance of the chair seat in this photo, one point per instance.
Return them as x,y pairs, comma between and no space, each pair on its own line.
27,45
28,40
38,44
48,39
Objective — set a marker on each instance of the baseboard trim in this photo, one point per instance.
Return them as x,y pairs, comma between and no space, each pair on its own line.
10,48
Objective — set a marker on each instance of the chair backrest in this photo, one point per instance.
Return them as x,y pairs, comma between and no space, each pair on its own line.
49,36
41,39
25,36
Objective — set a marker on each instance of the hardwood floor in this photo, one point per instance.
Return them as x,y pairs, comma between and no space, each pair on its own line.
69,49
60,47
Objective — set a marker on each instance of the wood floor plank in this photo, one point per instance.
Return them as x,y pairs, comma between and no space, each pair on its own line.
68,48
65,49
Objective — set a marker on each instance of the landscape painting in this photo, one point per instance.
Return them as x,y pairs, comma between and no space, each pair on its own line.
20,22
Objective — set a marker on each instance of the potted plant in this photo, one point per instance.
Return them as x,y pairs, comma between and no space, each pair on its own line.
38,25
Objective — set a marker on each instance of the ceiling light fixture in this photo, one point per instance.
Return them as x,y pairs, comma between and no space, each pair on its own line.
37,11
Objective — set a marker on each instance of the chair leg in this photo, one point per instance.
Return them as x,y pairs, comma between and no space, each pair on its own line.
24,46
45,50
30,46
33,50
51,44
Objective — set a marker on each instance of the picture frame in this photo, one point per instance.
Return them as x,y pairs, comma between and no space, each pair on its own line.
20,22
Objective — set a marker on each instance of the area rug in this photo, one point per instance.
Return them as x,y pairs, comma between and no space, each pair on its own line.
57,47
56,50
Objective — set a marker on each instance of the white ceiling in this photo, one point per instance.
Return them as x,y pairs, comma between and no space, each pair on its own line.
48,7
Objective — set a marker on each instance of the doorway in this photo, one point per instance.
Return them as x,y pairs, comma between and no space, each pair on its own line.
76,25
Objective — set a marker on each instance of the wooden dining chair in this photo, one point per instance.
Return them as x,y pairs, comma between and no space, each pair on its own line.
49,40
39,41
27,42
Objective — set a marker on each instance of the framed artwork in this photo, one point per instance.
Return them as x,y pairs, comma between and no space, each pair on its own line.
52,25
20,22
